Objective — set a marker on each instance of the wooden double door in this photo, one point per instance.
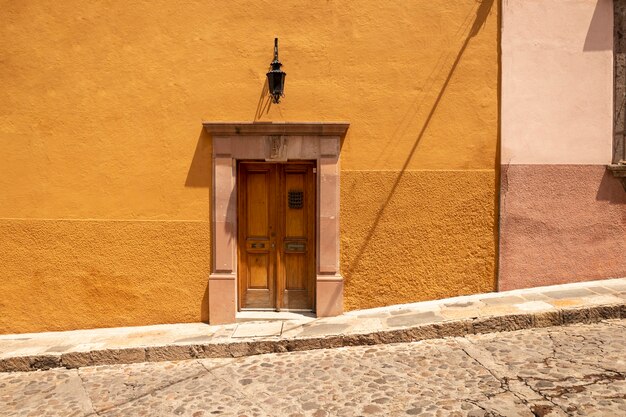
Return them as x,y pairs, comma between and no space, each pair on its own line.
276,235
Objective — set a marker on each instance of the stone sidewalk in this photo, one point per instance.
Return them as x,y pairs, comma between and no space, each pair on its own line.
481,313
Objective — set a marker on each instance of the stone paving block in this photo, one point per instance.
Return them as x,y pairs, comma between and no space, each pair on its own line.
60,348
486,325
399,312
215,350
547,318
603,299
607,312
323,329
292,328
312,343
615,285
575,315
195,339
17,364
418,333
379,315
567,302
115,356
460,313
602,290
240,349
44,362
77,359
463,304
534,306
591,314
169,353
366,325
386,337
570,293
535,297
507,300
359,340
258,330
412,319
498,310
455,328
262,347
516,322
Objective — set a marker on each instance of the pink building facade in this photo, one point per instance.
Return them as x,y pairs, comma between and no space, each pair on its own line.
562,212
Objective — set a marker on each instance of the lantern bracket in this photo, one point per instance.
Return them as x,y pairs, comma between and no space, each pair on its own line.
276,77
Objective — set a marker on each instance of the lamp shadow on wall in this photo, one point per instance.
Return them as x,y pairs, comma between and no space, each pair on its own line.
265,102
482,11
199,176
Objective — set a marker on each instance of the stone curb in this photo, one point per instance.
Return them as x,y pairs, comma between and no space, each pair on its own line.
451,328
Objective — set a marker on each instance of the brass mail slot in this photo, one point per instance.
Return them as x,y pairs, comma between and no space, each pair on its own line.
295,246
257,245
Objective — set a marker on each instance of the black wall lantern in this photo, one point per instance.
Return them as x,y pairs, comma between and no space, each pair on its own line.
276,77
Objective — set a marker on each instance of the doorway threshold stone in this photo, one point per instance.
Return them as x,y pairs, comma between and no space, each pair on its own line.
245,316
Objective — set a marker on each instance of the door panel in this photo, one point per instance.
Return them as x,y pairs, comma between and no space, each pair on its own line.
258,270
298,267
258,203
256,224
295,265
295,216
276,215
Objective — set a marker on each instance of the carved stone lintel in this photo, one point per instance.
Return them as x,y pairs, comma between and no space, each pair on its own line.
277,145
619,172
276,128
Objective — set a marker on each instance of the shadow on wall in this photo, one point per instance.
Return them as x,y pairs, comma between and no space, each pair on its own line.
199,176
600,33
481,13
611,190
265,102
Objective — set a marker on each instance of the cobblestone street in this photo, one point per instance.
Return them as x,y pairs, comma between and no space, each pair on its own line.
574,370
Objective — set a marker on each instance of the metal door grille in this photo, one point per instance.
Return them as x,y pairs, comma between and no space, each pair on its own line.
295,199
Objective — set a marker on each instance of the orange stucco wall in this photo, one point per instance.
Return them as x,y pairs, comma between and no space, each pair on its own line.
105,171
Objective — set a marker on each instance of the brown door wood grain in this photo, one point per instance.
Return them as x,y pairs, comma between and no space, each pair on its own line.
276,214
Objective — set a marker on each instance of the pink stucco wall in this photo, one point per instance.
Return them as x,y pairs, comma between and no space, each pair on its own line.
557,81
560,223
562,216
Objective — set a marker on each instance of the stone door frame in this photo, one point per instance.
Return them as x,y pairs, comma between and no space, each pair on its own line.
274,142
